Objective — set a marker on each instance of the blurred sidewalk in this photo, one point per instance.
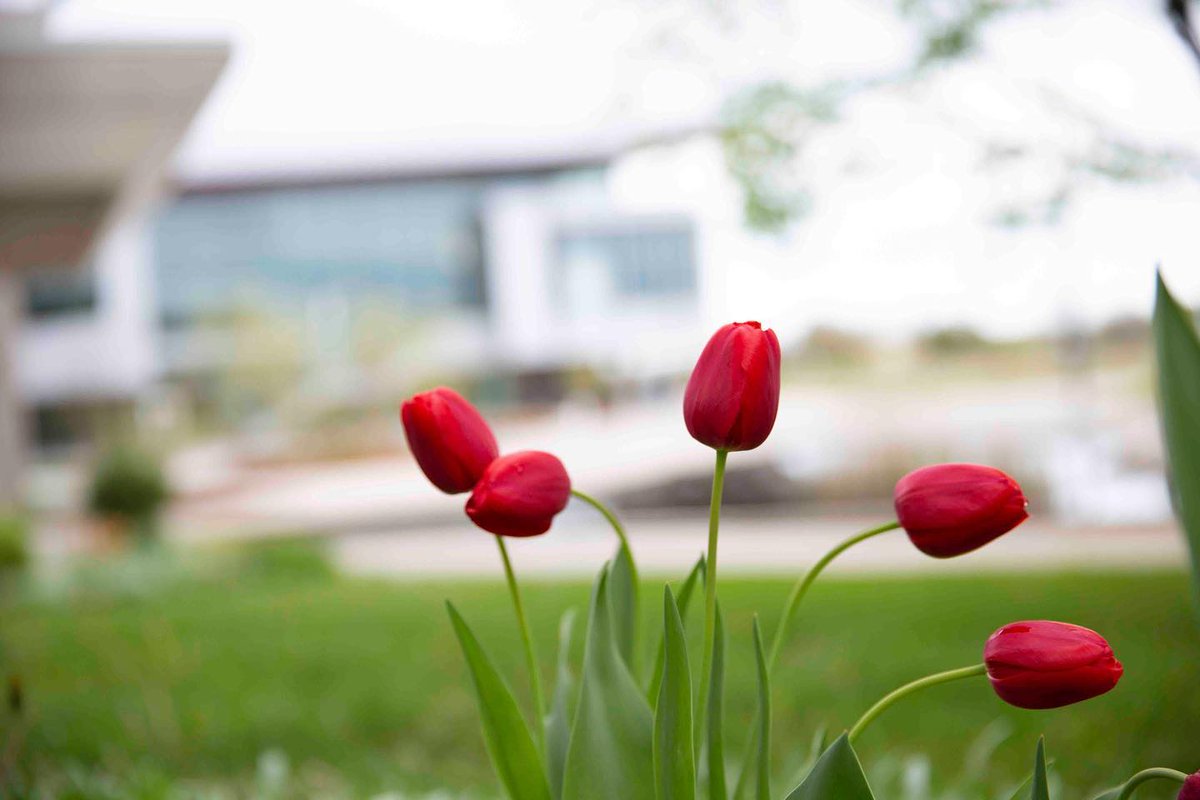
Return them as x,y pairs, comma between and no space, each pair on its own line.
577,548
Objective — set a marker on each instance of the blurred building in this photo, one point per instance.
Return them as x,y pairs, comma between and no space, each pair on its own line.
85,133
515,271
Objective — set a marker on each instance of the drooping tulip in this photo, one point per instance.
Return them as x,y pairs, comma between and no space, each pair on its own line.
1191,787
449,438
1042,664
520,494
951,509
732,396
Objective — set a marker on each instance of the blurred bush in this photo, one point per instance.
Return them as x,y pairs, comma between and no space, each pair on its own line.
299,557
128,486
14,544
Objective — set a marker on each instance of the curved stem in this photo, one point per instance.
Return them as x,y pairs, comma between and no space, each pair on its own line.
617,527
710,587
930,680
801,587
535,679
1149,775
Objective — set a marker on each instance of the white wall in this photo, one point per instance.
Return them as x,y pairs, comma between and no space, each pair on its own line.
110,351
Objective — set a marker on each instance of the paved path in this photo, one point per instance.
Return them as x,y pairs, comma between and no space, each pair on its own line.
760,546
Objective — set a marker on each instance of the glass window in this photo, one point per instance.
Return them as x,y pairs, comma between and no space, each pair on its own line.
58,291
646,259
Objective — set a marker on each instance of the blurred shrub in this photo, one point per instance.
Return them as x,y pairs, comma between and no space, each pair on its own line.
826,345
299,557
951,341
128,485
14,544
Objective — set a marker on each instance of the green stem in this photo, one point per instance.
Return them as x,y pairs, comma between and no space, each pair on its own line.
535,679
710,587
930,680
1149,775
610,516
801,587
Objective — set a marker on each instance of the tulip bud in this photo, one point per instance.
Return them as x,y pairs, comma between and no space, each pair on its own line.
951,509
733,394
450,440
1044,664
519,494
1191,787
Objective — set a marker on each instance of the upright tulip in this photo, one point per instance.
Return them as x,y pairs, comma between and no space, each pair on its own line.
520,494
733,394
450,440
1191,787
951,509
1042,664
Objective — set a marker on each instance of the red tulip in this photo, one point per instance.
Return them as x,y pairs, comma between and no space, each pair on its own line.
450,440
951,509
733,394
1044,664
519,494
1191,787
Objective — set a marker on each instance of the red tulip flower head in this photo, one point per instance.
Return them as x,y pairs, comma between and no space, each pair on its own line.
951,509
519,494
450,440
1044,664
733,394
1191,787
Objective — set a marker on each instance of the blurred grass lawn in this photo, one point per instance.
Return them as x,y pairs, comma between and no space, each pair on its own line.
360,684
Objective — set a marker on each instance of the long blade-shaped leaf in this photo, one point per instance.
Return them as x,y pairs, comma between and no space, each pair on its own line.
1040,790
1178,350
509,742
674,755
762,758
718,789
623,599
558,721
685,597
611,750
837,775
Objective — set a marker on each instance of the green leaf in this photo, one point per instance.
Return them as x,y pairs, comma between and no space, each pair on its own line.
685,597
505,732
1040,790
611,753
1111,794
837,775
763,757
674,755
718,788
558,721
1178,350
623,599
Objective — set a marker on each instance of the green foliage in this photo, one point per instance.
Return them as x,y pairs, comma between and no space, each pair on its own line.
717,786
128,484
1039,788
509,741
762,759
837,775
14,544
611,750
562,708
674,756
1178,350
623,600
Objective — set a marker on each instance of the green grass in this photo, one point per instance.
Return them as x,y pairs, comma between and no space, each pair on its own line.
361,685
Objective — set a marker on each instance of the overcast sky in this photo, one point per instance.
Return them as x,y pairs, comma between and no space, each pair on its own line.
902,227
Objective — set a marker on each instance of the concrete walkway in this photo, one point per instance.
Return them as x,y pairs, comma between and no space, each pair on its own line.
578,548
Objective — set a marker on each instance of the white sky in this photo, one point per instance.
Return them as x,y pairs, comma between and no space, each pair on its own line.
899,235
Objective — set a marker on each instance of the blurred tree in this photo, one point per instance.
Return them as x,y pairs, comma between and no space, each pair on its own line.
768,127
